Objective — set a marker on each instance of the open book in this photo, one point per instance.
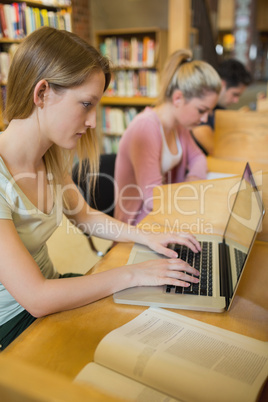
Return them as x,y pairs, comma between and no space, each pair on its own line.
164,356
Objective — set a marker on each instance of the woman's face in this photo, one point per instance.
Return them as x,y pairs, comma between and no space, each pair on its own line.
67,115
196,110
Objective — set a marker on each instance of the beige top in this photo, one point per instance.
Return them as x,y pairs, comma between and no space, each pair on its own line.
34,228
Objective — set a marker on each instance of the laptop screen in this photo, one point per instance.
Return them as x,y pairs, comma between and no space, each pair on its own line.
244,220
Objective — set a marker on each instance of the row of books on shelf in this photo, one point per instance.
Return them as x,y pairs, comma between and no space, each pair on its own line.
115,120
134,83
111,144
18,20
132,52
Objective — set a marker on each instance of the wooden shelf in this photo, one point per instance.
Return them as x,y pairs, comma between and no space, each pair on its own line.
130,31
37,3
125,101
10,40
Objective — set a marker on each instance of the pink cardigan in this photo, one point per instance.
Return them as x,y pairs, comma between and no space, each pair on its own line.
138,166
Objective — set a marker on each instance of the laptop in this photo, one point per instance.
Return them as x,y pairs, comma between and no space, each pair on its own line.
222,259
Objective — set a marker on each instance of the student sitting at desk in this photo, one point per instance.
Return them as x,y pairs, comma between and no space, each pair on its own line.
54,85
157,147
235,79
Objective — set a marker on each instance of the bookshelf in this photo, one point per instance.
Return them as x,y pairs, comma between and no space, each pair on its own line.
19,19
137,56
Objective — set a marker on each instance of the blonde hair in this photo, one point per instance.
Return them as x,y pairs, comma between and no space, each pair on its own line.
64,60
193,77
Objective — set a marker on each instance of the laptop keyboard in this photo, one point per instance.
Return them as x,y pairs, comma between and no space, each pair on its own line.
202,261
239,260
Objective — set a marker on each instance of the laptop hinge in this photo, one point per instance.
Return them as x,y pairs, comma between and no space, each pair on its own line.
226,285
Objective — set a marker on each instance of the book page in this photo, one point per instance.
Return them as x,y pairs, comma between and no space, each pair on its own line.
218,175
119,386
186,359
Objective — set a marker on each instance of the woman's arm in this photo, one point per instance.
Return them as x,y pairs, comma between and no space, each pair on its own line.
145,155
21,276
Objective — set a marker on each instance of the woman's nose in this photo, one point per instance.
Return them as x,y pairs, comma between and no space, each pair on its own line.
204,118
91,119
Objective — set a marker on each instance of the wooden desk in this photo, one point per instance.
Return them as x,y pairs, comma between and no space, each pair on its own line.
233,167
241,136
23,382
65,342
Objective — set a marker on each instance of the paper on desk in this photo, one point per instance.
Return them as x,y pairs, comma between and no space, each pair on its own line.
218,175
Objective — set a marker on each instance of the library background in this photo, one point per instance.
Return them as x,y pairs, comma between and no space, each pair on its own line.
137,36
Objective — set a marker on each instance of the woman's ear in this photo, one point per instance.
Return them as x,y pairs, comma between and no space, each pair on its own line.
40,90
177,97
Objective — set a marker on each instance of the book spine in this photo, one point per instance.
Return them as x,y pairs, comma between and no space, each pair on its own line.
67,21
3,21
21,17
9,22
4,66
28,20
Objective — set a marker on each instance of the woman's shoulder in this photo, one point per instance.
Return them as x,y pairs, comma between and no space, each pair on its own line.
6,191
143,131
145,120
149,113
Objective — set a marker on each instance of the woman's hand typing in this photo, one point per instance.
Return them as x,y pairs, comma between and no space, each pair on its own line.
159,242
163,272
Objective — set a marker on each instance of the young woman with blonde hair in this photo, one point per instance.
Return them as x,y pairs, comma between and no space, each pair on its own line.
55,83
157,146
